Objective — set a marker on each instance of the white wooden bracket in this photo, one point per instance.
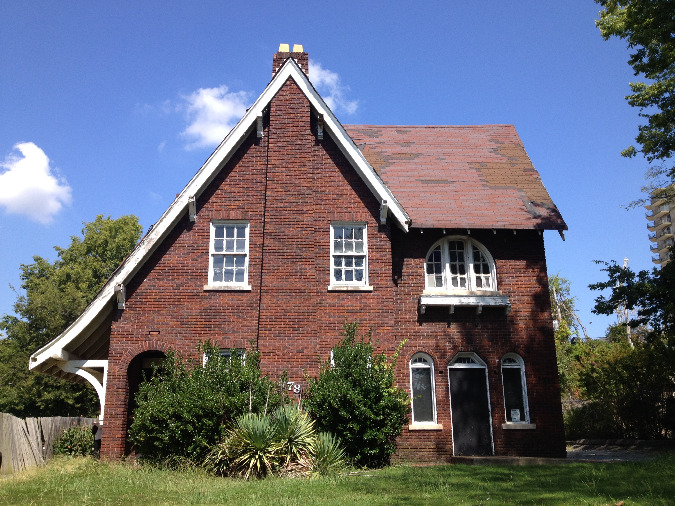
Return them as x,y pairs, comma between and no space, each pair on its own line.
384,209
319,127
87,369
259,126
120,295
192,208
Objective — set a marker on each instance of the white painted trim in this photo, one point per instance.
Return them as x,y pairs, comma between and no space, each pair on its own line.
480,364
425,426
349,285
97,379
523,386
432,372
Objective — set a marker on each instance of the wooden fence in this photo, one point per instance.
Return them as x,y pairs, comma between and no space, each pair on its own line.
27,443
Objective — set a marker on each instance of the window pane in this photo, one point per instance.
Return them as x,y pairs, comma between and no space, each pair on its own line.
229,261
349,275
513,392
239,261
348,247
358,233
349,233
228,276
241,231
337,233
337,274
358,246
218,245
240,245
358,274
358,262
348,261
217,268
239,276
219,231
423,409
229,231
229,245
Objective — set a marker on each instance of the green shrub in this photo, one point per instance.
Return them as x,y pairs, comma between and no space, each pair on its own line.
77,440
183,409
357,399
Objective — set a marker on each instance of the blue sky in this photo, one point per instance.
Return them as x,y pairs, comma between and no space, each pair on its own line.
111,107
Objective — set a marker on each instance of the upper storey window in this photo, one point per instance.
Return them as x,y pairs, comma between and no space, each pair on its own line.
228,263
349,254
460,264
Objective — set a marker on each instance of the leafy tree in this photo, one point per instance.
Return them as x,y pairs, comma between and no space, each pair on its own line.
568,326
184,408
648,27
54,295
648,295
356,398
629,384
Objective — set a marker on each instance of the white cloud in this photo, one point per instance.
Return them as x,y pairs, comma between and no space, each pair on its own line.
30,186
211,114
332,90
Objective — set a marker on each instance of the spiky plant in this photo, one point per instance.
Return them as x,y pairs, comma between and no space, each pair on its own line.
328,456
296,433
253,446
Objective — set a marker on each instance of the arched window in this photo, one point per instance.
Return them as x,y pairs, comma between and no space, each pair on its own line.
515,390
458,263
422,389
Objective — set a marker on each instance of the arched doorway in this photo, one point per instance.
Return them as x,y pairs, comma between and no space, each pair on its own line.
470,406
140,368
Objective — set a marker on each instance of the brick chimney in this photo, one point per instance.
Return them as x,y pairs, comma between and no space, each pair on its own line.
284,53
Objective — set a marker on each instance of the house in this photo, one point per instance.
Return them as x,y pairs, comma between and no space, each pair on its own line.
432,235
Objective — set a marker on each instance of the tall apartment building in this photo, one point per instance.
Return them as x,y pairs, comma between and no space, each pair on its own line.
661,210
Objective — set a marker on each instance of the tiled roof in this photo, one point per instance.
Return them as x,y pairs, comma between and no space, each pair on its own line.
459,176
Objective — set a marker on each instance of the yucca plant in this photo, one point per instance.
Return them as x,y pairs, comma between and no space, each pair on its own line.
328,456
296,433
253,446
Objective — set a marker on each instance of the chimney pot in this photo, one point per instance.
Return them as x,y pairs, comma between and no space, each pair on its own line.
284,53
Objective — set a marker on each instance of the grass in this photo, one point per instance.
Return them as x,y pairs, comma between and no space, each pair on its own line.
87,481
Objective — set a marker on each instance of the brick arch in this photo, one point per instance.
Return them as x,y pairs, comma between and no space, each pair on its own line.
139,348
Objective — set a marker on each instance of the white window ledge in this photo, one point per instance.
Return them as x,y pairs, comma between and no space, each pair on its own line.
228,288
491,299
349,288
519,426
425,426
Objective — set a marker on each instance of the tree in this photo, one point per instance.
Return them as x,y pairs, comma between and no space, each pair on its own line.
629,384
568,326
648,27
356,398
649,296
54,295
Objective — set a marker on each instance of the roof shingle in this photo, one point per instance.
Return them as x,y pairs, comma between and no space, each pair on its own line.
459,176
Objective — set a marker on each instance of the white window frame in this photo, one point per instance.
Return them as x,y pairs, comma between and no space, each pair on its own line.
353,284
471,284
231,285
515,361
427,364
226,353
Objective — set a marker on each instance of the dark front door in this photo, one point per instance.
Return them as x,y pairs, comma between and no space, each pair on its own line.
471,429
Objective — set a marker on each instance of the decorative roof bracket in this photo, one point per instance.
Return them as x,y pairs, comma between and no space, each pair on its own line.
259,126
319,127
384,209
192,208
120,295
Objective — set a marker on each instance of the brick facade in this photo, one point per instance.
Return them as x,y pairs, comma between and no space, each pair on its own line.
290,186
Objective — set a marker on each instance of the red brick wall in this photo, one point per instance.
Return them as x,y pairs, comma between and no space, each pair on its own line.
290,187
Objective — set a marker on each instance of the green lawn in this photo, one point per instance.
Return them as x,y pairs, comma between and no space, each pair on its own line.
86,481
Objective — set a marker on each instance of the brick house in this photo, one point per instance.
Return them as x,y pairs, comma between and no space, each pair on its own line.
297,223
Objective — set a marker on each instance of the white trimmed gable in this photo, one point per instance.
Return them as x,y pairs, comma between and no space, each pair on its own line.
54,357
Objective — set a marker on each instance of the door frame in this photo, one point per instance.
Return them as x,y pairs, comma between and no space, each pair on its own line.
469,360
